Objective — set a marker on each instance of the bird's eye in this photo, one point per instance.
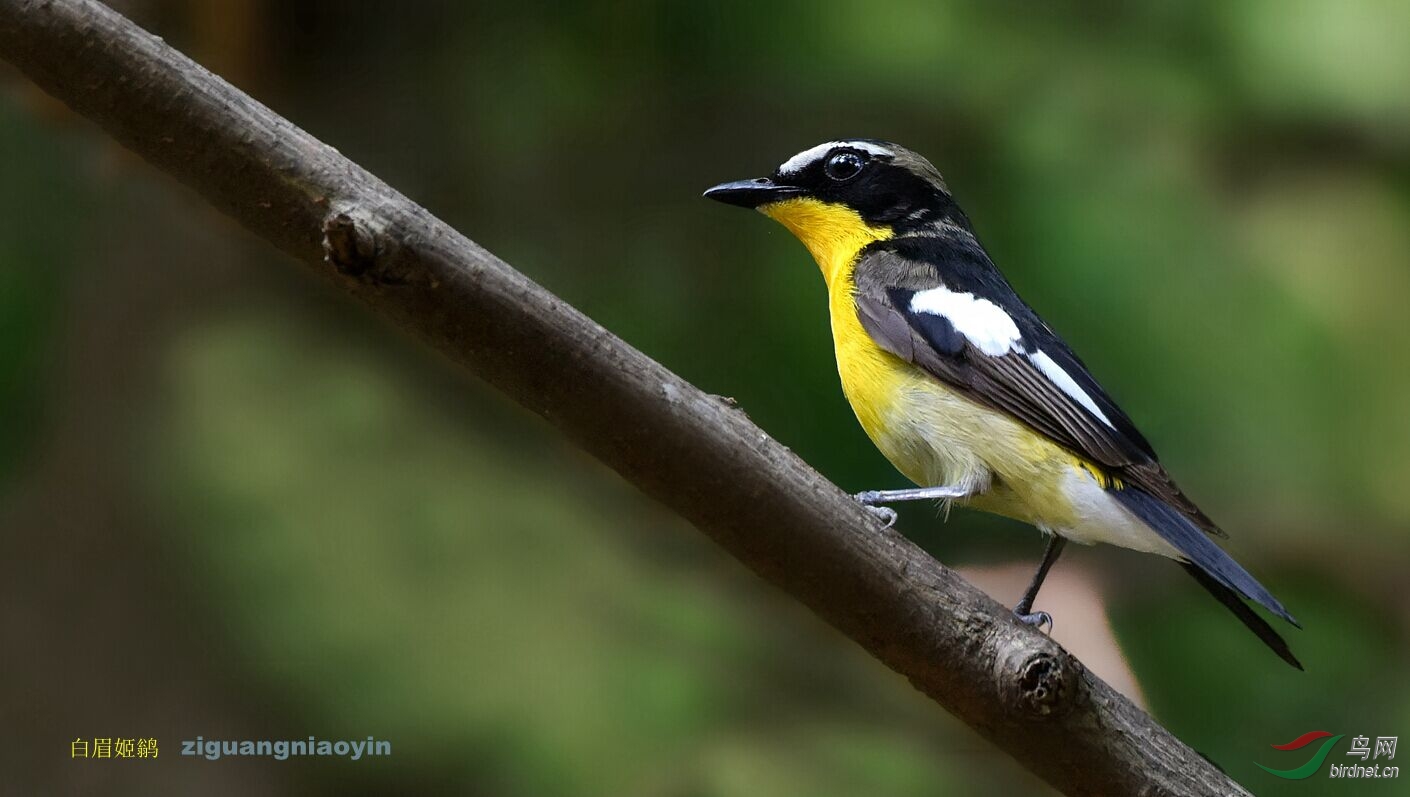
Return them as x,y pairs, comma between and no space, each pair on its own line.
843,166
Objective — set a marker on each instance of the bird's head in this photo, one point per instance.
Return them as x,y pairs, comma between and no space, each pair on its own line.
840,196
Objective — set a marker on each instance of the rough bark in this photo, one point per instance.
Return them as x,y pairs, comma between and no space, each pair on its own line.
692,451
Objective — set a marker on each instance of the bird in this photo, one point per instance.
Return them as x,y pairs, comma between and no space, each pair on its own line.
965,389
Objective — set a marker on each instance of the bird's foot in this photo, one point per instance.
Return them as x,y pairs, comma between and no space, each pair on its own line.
1039,619
885,514
870,501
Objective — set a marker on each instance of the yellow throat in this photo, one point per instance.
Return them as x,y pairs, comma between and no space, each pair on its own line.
833,233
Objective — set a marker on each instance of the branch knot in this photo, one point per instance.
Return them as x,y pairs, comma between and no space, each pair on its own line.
348,246
1038,683
1042,683
358,248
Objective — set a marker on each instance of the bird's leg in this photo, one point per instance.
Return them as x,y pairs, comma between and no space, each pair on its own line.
1024,610
873,499
878,497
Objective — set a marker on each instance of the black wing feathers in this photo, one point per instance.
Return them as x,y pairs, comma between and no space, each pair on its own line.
1056,348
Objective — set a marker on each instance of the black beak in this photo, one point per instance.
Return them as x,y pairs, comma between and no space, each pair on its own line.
752,193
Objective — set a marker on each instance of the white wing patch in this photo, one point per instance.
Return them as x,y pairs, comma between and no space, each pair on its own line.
985,324
801,161
988,328
1068,385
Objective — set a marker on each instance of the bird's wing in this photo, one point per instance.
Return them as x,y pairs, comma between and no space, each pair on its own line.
941,304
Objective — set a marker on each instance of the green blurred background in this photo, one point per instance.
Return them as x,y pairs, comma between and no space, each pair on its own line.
235,505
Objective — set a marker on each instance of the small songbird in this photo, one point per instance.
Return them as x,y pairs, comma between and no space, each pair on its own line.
964,388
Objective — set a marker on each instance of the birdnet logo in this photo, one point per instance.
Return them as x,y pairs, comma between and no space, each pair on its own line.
1360,746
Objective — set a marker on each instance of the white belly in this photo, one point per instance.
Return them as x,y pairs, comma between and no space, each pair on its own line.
1096,516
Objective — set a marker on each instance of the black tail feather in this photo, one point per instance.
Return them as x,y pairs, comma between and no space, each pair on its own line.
1241,610
1198,548
1211,566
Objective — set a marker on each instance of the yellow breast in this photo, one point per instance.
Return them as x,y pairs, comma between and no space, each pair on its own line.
872,378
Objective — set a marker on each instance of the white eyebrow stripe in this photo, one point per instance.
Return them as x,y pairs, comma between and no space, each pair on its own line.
799,162
1067,384
982,322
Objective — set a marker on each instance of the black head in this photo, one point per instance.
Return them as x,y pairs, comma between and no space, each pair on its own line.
886,184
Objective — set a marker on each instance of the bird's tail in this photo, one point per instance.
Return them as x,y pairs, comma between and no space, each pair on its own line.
1214,569
1250,618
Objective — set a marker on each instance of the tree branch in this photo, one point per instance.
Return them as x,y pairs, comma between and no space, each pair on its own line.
691,451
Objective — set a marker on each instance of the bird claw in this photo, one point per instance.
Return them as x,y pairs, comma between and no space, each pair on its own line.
1038,619
885,514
